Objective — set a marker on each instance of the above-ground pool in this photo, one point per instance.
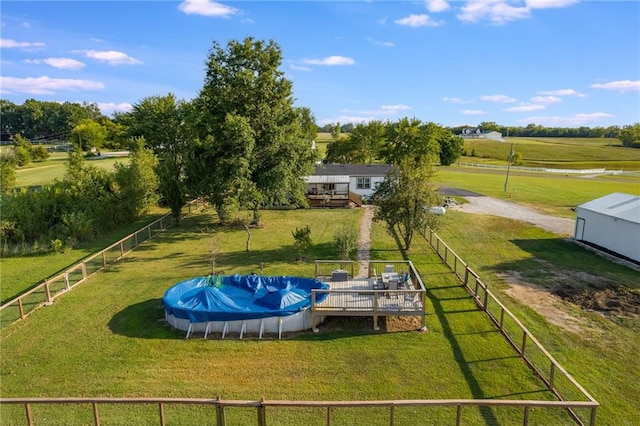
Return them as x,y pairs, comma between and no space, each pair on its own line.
242,303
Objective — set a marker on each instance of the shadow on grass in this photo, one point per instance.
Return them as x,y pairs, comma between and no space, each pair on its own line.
144,320
554,258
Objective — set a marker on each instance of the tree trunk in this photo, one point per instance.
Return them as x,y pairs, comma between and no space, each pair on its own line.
247,228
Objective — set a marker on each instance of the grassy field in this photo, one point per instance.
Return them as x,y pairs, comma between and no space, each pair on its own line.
107,338
572,153
38,174
20,273
546,192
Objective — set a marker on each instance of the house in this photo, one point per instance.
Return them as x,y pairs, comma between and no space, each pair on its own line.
341,185
479,134
611,223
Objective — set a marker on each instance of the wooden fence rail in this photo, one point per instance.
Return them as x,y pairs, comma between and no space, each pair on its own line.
262,405
519,337
53,287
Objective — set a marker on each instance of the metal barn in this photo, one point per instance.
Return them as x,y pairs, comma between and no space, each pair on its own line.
611,222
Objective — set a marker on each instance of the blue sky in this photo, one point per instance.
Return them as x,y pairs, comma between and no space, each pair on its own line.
563,63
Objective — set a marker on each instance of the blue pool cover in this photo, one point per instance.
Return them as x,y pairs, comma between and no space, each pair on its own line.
240,297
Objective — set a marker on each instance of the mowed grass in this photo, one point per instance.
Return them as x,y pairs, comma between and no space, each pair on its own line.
600,352
548,193
108,337
20,273
572,153
42,173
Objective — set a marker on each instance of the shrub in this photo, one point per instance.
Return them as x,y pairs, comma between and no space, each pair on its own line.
346,242
302,240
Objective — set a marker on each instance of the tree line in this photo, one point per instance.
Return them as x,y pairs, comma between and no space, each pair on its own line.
629,135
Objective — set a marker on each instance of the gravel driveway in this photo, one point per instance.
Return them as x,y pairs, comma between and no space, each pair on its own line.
481,204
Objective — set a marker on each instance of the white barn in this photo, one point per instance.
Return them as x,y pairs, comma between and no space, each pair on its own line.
611,222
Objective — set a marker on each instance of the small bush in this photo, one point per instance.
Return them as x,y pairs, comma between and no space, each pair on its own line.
346,242
302,240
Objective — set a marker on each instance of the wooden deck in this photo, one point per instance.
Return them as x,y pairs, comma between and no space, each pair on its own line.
365,297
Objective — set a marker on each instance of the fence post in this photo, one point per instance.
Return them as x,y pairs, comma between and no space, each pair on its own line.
121,250
552,375
219,413
104,259
66,280
524,343
84,270
149,229
466,275
458,415
446,255
262,415
47,292
525,421
328,416
136,239
161,412
21,308
27,408
161,225
96,416
486,297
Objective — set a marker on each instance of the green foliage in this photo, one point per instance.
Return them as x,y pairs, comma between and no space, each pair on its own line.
451,148
405,197
251,141
516,159
58,245
302,240
7,173
410,138
346,242
162,123
630,135
88,134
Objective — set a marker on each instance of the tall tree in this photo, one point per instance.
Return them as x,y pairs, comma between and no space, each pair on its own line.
630,135
410,138
367,139
251,138
404,198
88,134
163,121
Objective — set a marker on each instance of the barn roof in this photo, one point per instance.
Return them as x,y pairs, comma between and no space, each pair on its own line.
617,204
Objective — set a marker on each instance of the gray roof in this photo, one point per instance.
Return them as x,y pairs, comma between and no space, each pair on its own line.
617,204
352,170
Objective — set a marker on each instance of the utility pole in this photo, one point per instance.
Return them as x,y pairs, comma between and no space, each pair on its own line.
506,181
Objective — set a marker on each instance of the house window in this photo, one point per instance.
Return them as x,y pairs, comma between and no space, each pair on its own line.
363,183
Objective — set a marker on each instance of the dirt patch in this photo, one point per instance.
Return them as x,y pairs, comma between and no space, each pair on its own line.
581,289
616,301
544,302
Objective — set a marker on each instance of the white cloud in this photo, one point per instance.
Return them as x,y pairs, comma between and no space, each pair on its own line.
436,6
7,43
383,110
457,100
418,21
546,100
25,25
97,40
299,68
621,85
247,21
472,111
380,43
548,4
111,107
60,63
495,11
576,120
525,108
45,85
207,8
111,57
330,61
562,92
503,99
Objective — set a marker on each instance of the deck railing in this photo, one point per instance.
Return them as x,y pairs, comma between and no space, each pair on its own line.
53,287
556,378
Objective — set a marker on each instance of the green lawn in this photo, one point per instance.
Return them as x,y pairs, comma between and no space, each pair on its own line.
559,153
107,338
38,174
547,192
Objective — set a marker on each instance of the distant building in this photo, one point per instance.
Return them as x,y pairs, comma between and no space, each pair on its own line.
479,134
612,223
